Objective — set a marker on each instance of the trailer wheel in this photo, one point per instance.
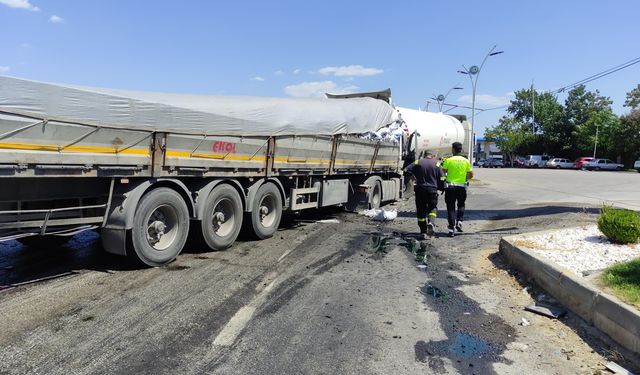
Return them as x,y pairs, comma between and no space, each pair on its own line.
222,219
267,211
408,187
44,241
376,195
160,227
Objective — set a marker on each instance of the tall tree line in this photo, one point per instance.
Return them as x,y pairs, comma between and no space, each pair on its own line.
536,123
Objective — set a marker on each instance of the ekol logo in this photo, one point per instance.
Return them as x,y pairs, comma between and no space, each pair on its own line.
226,147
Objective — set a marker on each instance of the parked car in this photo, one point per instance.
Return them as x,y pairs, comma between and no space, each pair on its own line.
578,164
602,164
481,163
518,162
636,165
536,161
558,163
494,163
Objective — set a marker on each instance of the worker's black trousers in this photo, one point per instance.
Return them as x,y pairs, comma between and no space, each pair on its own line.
426,206
453,195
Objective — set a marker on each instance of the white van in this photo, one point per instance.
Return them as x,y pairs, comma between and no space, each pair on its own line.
536,161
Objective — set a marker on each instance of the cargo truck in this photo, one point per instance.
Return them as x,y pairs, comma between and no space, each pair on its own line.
148,170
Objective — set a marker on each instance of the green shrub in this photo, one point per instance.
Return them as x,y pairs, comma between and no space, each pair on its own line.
620,226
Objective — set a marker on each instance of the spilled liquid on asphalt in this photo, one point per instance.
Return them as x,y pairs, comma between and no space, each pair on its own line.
467,346
434,292
380,243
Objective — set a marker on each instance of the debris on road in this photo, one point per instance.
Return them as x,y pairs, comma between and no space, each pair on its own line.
521,347
617,369
569,353
380,214
549,311
329,221
525,322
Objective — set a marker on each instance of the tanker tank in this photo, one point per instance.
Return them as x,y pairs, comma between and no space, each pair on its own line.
434,131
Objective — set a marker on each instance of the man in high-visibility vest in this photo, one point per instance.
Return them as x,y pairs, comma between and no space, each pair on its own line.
427,174
459,172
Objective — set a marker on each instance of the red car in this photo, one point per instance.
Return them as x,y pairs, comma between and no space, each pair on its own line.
580,161
518,162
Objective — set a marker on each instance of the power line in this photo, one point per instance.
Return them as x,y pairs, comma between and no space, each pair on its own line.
598,75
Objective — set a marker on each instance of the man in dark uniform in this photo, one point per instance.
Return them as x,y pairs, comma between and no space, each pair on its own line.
427,174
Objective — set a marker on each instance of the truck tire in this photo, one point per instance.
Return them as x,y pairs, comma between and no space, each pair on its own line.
160,227
44,241
376,195
267,211
222,219
408,188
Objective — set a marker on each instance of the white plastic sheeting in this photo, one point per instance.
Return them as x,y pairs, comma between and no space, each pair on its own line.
380,214
215,115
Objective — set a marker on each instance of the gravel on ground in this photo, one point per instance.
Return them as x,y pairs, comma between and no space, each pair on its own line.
582,249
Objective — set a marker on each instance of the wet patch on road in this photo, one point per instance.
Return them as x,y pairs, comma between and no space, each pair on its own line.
467,346
475,339
176,267
378,244
435,292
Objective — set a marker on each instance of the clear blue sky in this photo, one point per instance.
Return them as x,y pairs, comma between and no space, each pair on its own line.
281,48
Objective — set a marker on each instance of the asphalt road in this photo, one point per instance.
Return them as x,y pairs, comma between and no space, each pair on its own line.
352,297
595,188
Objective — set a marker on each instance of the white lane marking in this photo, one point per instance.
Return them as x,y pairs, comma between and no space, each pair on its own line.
285,254
236,324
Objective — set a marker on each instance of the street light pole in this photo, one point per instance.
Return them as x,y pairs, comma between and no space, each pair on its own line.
441,98
474,71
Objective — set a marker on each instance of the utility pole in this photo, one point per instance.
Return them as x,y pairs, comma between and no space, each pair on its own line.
595,146
533,109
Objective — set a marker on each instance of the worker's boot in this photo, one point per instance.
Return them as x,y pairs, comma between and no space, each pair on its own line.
459,226
430,229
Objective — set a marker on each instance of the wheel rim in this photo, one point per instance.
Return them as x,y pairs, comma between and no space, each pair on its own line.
376,196
267,210
162,227
223,217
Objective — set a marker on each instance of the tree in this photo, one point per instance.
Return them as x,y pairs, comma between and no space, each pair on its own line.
546,122
513,137
625,138
569,130
633,98
584,112
605,123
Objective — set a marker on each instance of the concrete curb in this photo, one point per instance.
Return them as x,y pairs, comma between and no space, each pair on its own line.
604,311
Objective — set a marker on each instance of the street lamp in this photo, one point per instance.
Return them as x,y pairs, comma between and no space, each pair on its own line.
474,72
441,98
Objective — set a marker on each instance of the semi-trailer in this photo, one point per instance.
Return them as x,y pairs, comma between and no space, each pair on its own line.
149,170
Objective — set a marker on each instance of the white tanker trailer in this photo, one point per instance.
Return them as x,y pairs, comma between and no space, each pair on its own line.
431,131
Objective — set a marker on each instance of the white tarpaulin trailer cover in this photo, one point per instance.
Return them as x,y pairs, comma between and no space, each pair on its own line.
198,114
